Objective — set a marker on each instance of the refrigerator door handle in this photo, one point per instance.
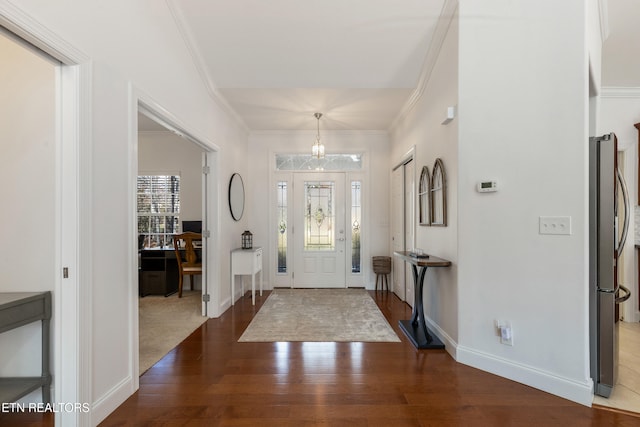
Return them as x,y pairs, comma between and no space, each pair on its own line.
625,202
625,297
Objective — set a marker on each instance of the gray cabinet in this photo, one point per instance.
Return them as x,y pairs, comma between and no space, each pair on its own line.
19,309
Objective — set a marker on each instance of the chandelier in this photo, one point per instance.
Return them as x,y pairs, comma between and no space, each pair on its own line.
317,150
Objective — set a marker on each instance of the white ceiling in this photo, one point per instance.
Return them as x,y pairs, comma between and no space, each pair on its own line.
275,63
278,62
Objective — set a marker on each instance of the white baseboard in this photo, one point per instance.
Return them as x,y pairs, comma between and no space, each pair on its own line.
633,318
108,403
224,306
576,391
449,344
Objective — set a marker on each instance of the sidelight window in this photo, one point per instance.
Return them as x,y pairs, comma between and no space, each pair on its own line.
356,224
282,226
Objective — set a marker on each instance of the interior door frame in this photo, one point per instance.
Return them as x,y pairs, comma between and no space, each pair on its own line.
142,103
72,297
409,156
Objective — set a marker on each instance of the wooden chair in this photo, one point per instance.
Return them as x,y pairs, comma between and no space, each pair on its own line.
382,267
189,265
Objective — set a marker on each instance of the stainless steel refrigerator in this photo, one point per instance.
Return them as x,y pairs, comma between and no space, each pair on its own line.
607,213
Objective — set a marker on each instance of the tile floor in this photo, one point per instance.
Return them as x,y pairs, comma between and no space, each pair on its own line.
626,393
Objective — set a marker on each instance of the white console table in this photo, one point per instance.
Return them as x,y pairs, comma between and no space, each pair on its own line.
246,261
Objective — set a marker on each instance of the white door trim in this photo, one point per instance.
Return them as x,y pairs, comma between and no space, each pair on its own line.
72,295
143,103
402,273
74,368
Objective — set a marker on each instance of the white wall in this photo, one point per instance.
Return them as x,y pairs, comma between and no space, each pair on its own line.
423,128
126,64
165,152
27,144
375,148
523,109
598,25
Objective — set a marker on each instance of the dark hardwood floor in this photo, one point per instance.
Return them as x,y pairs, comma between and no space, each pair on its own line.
212,380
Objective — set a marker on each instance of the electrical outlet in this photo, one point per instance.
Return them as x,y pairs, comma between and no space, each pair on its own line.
498,325
506,334
504,331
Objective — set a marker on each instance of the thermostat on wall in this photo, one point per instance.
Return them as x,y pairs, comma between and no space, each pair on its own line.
487,186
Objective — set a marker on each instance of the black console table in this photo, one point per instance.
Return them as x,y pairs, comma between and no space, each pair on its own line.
19,309
416,328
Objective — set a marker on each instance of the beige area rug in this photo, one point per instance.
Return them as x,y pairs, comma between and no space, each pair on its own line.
165,323
329,315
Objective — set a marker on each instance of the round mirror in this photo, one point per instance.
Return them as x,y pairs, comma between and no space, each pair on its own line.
236,196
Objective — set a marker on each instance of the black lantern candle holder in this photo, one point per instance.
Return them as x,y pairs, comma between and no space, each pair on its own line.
247,240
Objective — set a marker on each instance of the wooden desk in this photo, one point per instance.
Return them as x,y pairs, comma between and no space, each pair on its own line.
246,261
19,309
416,328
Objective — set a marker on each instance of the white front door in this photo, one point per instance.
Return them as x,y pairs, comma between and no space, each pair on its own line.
319,230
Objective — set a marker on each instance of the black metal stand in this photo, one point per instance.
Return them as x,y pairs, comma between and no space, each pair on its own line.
416,328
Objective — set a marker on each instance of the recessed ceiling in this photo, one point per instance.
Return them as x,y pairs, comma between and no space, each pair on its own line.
278,62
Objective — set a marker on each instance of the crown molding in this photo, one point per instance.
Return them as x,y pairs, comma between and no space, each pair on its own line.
620,92
20,24
439,35
200,64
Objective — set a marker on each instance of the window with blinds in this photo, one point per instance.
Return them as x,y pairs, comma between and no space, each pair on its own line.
158,210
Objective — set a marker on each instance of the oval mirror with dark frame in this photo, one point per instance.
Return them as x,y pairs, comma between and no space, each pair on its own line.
236,196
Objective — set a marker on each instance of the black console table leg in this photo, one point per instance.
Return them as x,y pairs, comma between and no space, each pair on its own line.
416,328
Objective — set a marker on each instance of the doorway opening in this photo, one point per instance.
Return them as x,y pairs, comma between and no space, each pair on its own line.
403,224
172,181
626,391
28,83
61,210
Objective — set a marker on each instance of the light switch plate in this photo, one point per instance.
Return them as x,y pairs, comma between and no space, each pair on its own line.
555,225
